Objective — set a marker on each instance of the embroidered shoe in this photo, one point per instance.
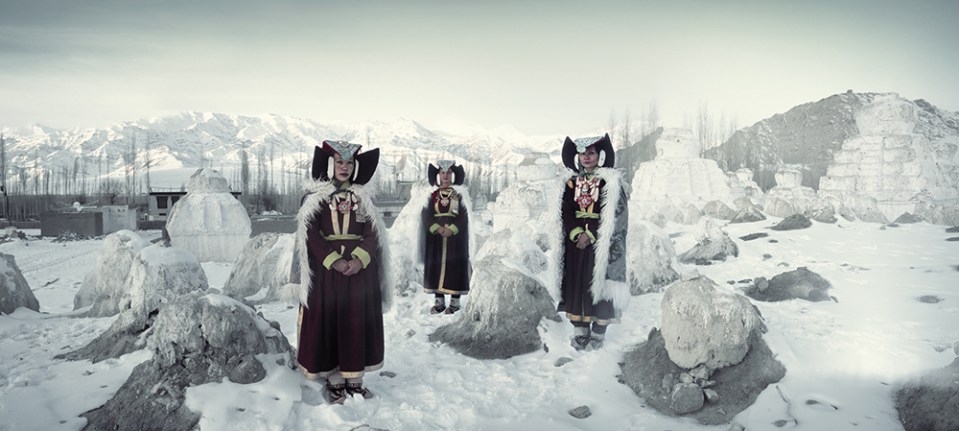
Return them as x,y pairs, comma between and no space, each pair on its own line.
438,308
336,394
358,389
452,309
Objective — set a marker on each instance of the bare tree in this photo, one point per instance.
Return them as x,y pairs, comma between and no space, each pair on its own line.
625,134
652,118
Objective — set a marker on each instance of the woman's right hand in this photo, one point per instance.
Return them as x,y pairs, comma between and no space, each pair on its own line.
341,266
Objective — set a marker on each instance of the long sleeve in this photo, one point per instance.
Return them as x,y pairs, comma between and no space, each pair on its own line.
364,251
317,245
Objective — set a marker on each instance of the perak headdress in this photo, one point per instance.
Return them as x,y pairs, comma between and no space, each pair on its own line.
603,147
459,174
365,163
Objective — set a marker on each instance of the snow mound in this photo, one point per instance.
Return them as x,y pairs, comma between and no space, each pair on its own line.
14,290
104,287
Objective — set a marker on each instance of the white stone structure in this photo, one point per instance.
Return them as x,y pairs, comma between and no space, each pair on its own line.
789,196
677,177
209,222
106,284
889,167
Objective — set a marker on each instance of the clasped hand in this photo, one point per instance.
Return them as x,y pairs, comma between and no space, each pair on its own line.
445,232
582,241
348,268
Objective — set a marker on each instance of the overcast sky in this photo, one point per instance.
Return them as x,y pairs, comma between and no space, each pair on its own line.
542,66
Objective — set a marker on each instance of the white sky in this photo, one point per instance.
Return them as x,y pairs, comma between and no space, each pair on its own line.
543,66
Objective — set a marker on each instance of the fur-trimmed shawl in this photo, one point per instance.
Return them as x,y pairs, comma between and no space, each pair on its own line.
612,198
318,194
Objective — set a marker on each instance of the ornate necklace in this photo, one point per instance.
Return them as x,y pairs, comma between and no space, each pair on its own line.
444,196
586,191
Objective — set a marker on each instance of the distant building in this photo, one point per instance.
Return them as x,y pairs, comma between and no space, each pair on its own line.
162,202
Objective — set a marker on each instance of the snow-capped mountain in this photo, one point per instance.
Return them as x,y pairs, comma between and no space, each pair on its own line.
276,143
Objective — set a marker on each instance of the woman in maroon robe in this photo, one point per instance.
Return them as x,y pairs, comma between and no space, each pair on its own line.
446,259
340,250
593,217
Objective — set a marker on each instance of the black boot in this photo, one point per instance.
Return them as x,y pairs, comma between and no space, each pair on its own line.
438,306
336,394
358,389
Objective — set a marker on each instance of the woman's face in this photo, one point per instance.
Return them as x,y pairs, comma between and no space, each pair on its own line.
589,158
445,178
342,169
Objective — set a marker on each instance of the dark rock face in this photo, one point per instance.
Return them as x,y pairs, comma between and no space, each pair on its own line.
14,290
198,339
753,236
931,403
907,218
798,284
648,371
793,222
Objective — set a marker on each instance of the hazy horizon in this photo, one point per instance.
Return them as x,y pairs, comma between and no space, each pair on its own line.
541,67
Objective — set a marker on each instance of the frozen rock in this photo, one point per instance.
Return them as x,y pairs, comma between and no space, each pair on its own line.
263,264
703,324
930,402
822,211
505,306
718,210
714,245
581,412
104,287
793,222
797,284
14,290
158,275
748,214
197,339
650,258
686,398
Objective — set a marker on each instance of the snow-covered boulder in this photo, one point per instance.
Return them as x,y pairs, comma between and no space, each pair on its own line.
714,245
197,339
263,264
705,325
104,287
712,397
209,222
14,290
158,276
506,301
718,210
748,214
650,258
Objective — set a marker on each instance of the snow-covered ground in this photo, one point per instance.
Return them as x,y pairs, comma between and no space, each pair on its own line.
843,357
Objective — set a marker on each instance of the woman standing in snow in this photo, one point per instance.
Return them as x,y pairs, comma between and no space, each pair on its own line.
343,289
593,214
446,259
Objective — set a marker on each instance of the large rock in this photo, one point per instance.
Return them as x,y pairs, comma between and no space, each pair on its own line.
649,372
264,263
704,325
650,258
14,290
719,210
714,245
749,214
209,222
506,303
197,339
158,275
930,403
793,222
798,284
104,287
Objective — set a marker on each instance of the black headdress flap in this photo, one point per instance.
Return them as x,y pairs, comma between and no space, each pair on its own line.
459,175
572,148
432,172
321,162
366,163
